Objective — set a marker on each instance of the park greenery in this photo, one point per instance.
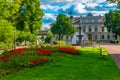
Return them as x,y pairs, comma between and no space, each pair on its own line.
47,61
49,37
112,19
58,62
62,27
22,16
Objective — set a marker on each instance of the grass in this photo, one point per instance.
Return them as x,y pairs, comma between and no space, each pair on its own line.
89,65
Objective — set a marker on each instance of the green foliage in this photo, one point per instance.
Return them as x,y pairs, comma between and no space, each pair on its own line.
25,15
30,16
48,38
112,21
22,36
61,43
9,8
63,26
6,34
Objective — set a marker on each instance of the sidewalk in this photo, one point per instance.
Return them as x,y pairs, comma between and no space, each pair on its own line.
114,51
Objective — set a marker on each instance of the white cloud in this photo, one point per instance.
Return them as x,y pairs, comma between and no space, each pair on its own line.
48,6
61,1
80,8
65,7
99,12
44,26
49,16
111,4
91,5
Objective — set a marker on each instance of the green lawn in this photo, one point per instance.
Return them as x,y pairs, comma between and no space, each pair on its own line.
89,65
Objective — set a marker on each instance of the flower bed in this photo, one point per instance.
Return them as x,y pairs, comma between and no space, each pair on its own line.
28,57
68,50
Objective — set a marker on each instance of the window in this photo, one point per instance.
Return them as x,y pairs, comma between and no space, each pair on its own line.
90,29
96,29
102,29
89,20
83,20
96,20
84,28
108,36
95,36
102,36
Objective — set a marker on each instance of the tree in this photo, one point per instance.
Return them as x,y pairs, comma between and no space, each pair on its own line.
63,27
23,36
113,18
112,21
9,8
6,34
29,16
48,37
29,19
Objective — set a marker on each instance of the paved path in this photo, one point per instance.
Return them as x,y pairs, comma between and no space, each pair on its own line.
114,51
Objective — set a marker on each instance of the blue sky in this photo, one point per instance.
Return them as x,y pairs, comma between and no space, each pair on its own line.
52,8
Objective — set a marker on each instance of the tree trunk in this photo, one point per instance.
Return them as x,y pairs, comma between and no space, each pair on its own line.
25,43
67,37
115,36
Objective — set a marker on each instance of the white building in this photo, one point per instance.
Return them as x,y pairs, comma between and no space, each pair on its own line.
91,28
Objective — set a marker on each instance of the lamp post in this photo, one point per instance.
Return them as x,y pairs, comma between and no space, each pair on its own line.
80,36
14,39
100,33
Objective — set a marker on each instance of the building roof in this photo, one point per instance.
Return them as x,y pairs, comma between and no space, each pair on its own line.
89,14
76,20
43,32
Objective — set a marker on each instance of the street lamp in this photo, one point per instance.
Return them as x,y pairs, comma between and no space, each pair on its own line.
80,36
14,39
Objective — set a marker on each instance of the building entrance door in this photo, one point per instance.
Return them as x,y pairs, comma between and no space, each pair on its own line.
90,37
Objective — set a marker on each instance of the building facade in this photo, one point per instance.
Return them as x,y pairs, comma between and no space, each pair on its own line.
91,28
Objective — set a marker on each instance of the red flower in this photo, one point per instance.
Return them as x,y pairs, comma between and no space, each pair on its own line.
16,52
68,50
38,61
20,50
45,52
4,59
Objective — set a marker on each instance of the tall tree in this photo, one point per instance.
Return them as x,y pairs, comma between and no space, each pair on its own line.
9,8
113,18
63,27
25,15
30,16
6,34
112,21
48,37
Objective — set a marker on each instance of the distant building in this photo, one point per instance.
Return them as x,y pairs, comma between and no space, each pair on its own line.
41,36
91,28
